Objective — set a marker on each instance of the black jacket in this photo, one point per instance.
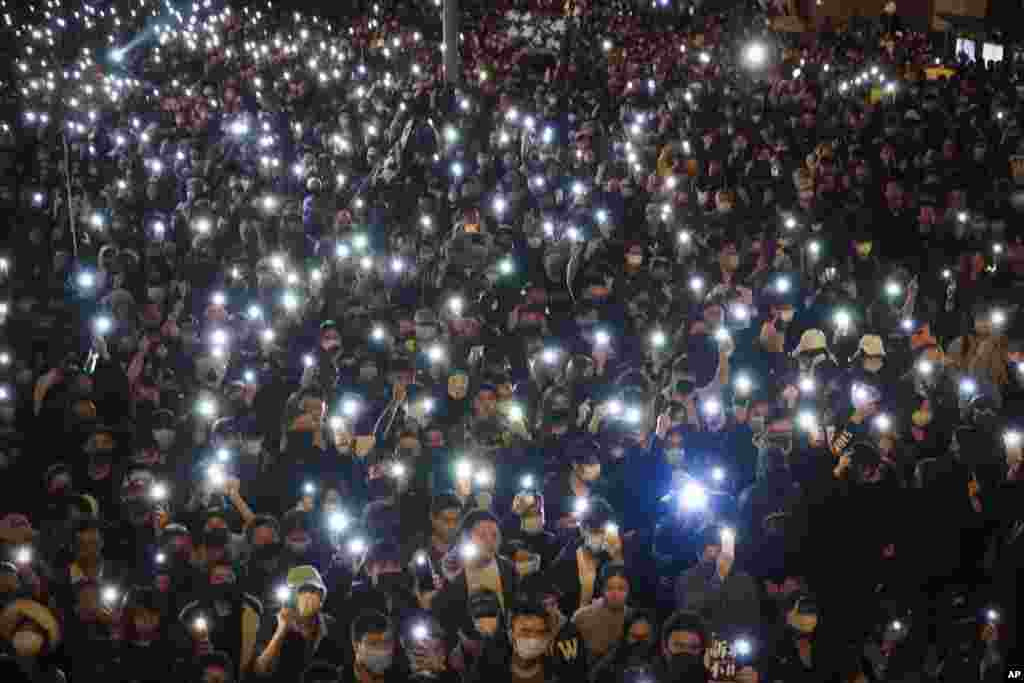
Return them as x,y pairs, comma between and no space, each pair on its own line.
450,604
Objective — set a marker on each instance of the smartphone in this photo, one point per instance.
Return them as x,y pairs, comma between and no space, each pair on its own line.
423,571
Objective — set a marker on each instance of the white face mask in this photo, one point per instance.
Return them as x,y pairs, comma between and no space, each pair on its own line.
164,438
873,364
530,648
27,643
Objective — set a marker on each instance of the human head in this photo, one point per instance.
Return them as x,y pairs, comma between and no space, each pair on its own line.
373,642
529,628
615,582
481,528
684,634
445,513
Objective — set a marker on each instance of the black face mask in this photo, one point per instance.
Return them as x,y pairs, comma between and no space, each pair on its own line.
391,583
686,668
264,554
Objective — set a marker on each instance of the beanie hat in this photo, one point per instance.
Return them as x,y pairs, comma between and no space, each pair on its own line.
306,576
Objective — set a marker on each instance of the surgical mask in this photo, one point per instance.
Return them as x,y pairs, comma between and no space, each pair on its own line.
873,364
530,648
298,547
156,294
596,543
532,524
376,660
164,438
529,566
27,643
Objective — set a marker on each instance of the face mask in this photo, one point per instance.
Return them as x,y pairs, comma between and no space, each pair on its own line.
298,547
530,648
27,643
532,525
685,668
164,438
873,365
390,583
595,543
156,294
376,661
528,567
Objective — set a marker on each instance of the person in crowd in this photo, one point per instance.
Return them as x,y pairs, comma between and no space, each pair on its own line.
293,315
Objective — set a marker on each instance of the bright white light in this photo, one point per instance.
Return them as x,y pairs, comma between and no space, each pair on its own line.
756,54
658,339
883,423
602,338
718,474
338,522
693,496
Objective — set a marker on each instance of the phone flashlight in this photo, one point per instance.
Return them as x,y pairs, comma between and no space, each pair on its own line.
601,338
526,483
161,558
215,473
282,594
883,423
420,632
611,528
23,556
309,488
743,385
743,647
398,470
158,491
468,551
718,474
515,413
580,506
109,595
200,624
728,535
992,616
337,522
807,385
102,325
658,339
356,546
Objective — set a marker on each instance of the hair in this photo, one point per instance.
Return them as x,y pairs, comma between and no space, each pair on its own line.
369,621
261,521
444,501
527,605
599,512
611,570
475,517
683,620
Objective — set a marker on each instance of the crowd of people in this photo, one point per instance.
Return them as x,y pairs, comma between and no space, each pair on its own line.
659,346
